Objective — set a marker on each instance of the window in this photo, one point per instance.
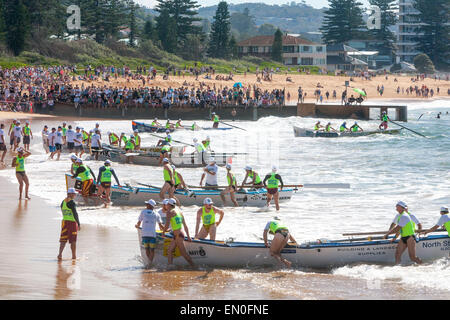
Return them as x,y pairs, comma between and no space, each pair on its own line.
288,49
319,49
307,61
306,49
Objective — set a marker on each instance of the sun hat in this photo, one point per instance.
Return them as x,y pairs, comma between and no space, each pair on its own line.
151,202
208,201
402,204
108,162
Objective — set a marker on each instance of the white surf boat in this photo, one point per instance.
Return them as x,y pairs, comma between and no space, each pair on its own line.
302,132
316,255
136,196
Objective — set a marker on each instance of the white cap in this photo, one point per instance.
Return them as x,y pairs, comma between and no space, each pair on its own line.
165,160
208,201
274,168
79,160
444,209
173,166
402,204
165,201
136,131
207,138
167,131
71,190
108,161
212,160
248,168
73,157
213,113
172,201
156,118
108,133
20,149
195,140
151,202
228,166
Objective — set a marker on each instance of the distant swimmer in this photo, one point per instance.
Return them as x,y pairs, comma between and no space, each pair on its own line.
406,226
438,115
444,221
329,128
215,119
254,176
272,182
384,124
70,224
355,128
18,162
3,148
343,127
207,214
104,179
317,126
149,218
231,187
176,221
279,241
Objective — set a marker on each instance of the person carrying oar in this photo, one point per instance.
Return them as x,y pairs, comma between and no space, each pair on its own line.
207,214
254,176
329,128
279,241
231,188
272,181
406,226
216,120
444,220
384,124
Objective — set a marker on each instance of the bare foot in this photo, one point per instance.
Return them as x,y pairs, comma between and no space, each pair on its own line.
27,197
59,257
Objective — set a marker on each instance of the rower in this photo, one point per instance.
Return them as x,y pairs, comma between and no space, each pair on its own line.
3,148
123,138
273,180
104,181
18,162
210,172
155,124
168,125
384,124
113,139
165,153
328,127
129,148
74,166
97,128
279,241
137,139
179,181
317,126
194,126
167,140
355,128
207,214
176,221
231,187
207,143
413,217
405,225
200,148
87,179
86,137
78,142
178,124
444,220
343,127
256,180
216,120
169,181
27,135
149,218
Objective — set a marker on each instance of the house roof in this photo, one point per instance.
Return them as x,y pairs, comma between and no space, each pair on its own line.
340,60
340,47
268,41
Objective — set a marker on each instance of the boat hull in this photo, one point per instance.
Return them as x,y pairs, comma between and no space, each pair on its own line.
302,132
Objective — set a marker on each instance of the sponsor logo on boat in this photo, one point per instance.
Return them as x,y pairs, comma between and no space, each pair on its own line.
365,251
444,245
198,253
288,251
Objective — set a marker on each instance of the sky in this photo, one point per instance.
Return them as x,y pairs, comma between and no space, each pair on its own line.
205,3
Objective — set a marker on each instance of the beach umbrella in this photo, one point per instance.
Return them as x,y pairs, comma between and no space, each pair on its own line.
237,84
360,92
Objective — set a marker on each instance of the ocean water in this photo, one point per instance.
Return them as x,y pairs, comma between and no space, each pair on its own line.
381,169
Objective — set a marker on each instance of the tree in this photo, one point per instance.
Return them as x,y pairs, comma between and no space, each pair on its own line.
388,19
132,35
434,16
277,46
166,28
16,25
266,29
149,32
233,47
343,21
220,33
244,23
423,63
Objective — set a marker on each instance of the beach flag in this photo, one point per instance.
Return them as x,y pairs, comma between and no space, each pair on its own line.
31,107
230,160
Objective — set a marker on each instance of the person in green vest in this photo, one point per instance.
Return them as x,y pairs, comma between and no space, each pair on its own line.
355,128
64,131
215,119
254,176
343,127
168,125
87,177
405,225
27,135
231,187
70,224
137,140
329,128
444,221
104,179
176,221
74,167
281,236
317,126
207,214
86,137
194,126
113,139
123,139
272,182
179,180
169,181
155,124
130,146
384,124
207,143
178,124
18,162
164,153
166,141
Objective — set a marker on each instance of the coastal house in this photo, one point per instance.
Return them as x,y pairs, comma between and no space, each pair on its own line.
296,51
341,58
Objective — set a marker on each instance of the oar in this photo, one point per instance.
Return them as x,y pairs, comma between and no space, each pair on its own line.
173,140
232,125
408,129
320,185
380,232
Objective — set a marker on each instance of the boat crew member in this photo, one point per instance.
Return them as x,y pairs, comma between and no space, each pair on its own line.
176,221
86,137
155,124
129,148
137,140
231,187
329,128
18,162
11,133
123,138
210,172
355,128
96,143
165,153
70,137
104,181
167,140
194,126
74,166
27,135
413,217
384,123
444,220
3,148
281,237
200,149
178,178
178,124
97,128
207,214
168,125
45,134
58,142
70,224
254,176
343,127
272,181
87,177
17,133
317,126
78,142
163,212
169,181
406,226
216,120
113,139
207,143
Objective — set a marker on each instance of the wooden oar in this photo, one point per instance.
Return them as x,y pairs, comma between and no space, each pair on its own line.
408,129
155,135
382,232
232,125
320,185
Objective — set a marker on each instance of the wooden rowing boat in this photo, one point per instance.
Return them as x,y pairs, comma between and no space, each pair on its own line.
135,196
143,127
302,132
317,255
